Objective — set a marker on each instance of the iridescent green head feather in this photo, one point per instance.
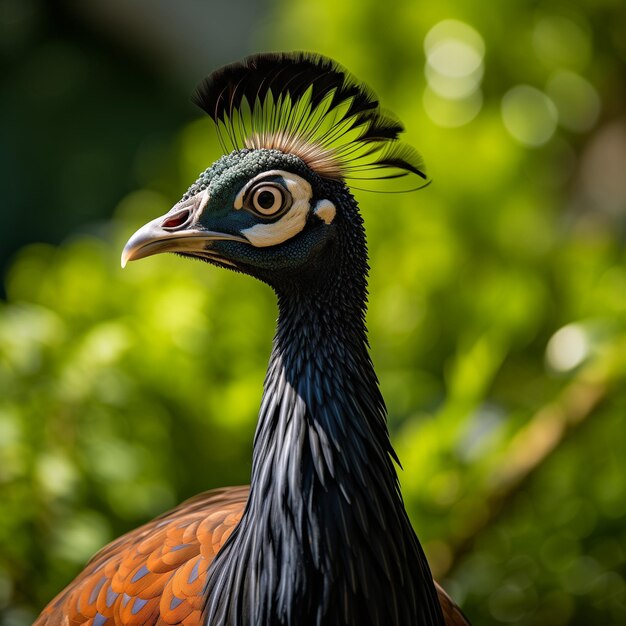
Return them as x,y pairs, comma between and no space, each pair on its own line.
299,126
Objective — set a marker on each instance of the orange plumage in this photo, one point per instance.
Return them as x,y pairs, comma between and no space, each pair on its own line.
155,574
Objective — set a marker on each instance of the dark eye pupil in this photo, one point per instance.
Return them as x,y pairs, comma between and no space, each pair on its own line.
266,199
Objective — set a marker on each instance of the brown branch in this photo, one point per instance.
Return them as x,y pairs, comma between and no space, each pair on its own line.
534,444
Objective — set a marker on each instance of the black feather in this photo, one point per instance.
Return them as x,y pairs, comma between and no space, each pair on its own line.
310,98
325,539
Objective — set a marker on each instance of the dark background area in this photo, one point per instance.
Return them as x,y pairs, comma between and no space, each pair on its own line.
91,94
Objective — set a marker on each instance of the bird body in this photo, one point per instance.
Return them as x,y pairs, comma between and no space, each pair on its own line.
321,538
118,586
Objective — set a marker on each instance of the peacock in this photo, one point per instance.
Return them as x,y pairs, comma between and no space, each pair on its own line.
321,536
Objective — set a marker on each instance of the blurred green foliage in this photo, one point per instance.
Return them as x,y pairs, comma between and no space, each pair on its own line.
497,323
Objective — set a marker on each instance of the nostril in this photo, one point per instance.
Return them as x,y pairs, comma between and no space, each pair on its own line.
176,220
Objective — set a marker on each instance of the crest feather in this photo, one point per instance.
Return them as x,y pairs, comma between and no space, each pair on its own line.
308,105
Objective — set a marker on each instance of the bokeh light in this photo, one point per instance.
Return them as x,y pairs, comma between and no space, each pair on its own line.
529,115
576,100
454,112
454,70
561,42
567,348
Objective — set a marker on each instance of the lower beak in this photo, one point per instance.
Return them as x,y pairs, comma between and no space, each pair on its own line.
176,231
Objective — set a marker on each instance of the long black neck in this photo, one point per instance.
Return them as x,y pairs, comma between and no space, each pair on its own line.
324,539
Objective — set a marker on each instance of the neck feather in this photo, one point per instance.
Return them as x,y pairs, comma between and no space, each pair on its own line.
325,539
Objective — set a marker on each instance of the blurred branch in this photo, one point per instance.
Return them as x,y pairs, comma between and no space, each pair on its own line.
534,444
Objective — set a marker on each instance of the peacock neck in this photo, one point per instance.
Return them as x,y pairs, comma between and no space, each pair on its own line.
324,539
322,424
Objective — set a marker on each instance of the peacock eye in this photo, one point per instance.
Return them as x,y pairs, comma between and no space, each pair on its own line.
268,200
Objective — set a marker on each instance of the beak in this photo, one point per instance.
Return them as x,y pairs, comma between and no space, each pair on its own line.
176,231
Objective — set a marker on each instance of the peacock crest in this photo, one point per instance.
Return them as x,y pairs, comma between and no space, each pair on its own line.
308,105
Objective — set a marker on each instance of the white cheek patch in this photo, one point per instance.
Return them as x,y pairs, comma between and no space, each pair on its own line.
326,211
290,224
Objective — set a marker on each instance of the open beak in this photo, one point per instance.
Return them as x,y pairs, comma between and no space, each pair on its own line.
176,231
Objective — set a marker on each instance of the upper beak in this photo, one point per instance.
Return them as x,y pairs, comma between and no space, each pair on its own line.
176,231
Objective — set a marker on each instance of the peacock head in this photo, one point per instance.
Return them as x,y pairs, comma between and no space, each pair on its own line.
260,211
277,205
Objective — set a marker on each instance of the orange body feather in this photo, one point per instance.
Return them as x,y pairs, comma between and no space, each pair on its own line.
155,575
